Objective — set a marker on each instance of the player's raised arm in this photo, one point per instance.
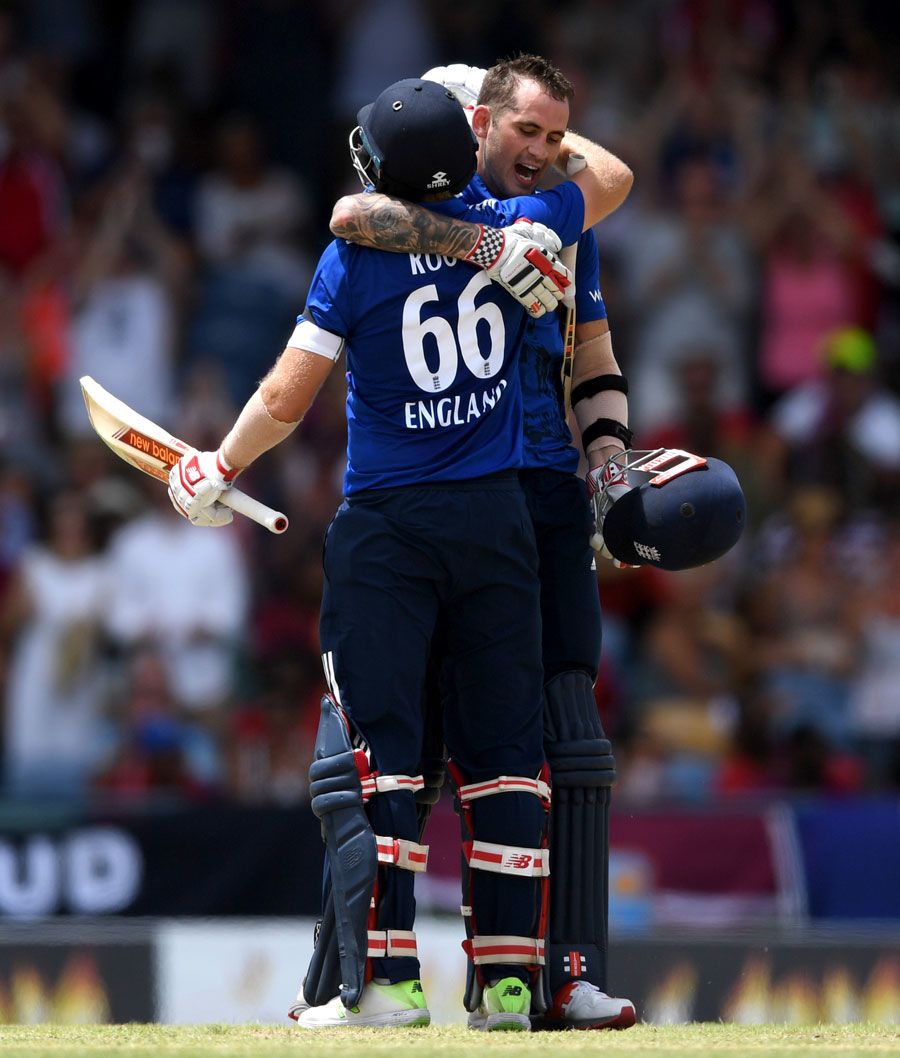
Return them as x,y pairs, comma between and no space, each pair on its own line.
605,181
522,259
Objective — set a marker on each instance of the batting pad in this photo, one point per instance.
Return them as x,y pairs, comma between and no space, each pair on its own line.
582,770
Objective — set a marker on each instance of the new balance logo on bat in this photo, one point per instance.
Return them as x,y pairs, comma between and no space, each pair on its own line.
150,446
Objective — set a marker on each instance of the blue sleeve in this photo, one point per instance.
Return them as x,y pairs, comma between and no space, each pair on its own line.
328,304
588,299
561,209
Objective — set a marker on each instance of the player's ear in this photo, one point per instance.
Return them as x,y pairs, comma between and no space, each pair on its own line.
481,121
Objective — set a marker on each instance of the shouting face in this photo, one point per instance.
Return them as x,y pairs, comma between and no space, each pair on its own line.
518,145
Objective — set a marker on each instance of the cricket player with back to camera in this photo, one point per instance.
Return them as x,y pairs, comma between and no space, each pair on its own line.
434,527
519,111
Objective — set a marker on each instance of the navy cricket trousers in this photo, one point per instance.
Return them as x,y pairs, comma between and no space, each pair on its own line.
570,599
397,562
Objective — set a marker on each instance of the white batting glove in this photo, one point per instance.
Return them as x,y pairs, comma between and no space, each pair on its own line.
522,259
597,480
594,482
196,483
463,81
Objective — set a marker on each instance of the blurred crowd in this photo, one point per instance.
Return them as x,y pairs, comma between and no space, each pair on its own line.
166,174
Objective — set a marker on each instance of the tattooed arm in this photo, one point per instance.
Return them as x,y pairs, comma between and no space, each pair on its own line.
521,258
385,223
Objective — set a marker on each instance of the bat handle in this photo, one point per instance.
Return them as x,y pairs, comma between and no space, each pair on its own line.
568,256
238,501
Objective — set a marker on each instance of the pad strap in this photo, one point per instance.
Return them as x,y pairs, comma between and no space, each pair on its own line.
504,784
392,944
374,784
507,859
527,951
397,852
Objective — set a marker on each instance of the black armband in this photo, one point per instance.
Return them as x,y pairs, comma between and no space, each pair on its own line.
606,428
592,386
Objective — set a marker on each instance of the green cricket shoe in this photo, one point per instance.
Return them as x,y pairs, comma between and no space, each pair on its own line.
504,1007
381,1006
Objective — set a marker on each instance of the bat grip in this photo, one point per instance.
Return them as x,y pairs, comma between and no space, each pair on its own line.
568,254
238,501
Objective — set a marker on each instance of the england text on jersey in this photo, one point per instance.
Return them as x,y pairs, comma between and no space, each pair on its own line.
451,411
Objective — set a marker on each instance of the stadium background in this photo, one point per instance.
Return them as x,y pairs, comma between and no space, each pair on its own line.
166,174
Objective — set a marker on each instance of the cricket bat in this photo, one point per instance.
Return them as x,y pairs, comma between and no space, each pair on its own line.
155,451
569,256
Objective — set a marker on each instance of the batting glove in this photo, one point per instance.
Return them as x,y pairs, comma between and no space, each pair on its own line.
196,483
463,81
597,481
522,259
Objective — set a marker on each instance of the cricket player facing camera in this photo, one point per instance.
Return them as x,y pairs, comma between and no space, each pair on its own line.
519,111
434,529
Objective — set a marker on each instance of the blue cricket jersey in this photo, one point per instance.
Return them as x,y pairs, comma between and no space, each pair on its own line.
433,388
547,440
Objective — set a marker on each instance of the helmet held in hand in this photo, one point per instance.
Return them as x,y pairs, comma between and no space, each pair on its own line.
667,508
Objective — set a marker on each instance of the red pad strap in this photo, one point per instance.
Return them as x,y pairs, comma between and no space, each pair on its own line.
375,783
505,784
525,951
392,944
507,859
397,852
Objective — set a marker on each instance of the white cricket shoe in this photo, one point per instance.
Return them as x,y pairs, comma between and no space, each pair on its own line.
581,1005
297,1007
381,1006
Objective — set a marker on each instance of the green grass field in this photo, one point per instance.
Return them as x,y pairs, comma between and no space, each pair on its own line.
261,1041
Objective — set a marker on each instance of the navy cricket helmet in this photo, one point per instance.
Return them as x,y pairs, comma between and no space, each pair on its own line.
414,140
669,508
